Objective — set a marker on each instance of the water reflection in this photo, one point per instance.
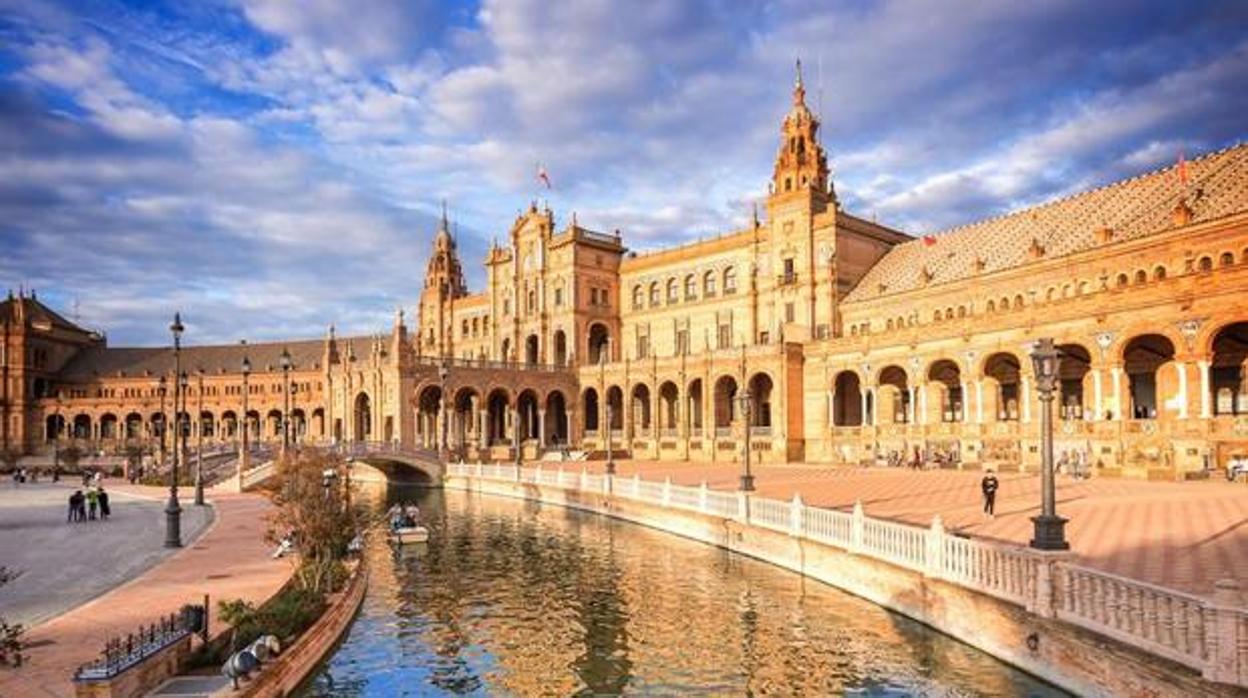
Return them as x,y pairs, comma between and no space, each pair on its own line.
512,598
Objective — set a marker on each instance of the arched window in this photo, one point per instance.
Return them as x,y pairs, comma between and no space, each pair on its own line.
1123,280
888,326
936,316
1227,259
691,287
1005,304
1206,264
1018,302
638,297
730,280
708,284
673,291
1141,276
654,293
1159,274
992,307
961,311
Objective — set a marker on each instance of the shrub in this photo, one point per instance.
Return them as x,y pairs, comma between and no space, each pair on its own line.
11,643
286,615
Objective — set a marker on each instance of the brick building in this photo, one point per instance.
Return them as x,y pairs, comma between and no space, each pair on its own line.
855,342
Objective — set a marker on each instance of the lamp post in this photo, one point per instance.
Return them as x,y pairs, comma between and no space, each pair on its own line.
516,436
285,359
244,454
610,450
173,511
444,371
294,407
164,419
744,401
56,439
1049,527
199,440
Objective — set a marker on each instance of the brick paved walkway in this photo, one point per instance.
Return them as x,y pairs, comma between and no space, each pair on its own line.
231,560
1181,535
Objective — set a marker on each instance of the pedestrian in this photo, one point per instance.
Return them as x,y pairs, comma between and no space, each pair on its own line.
72,516
989,486
93,501
105,510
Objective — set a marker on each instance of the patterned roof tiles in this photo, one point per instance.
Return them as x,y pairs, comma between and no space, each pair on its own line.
1132,208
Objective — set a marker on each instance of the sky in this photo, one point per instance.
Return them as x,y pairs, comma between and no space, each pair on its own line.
271,167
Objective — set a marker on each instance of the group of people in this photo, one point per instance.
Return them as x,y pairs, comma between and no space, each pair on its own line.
86,507
404,516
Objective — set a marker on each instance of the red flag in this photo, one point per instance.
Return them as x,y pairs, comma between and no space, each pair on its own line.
542,176
929,240
1182,170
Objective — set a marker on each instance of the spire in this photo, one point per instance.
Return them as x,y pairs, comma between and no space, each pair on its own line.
801,163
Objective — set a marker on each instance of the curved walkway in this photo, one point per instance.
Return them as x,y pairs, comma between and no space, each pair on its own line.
230,560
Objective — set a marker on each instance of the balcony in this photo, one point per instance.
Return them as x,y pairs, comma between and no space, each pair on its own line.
787,279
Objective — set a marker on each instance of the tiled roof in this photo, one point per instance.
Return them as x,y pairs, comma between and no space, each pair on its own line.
35,312
305,354
1133,208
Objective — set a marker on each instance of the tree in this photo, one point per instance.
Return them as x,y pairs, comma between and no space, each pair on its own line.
11,644
312,508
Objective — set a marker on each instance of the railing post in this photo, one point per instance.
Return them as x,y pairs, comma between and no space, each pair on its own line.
517,467
743,507
667,491
636,485
857,525
934,560
1222,664
581,485
797,516
1046,597
559,477
702,497
537,474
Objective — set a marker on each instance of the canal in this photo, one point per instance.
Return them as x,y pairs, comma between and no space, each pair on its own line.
515,598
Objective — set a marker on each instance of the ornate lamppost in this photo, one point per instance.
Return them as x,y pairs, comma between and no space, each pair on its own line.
56,439
199,440
745,402
444,371
610,449
164,419
173,511
244,454
1049,527
285,360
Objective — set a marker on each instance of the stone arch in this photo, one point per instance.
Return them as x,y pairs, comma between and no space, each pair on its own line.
1074,374
847,400
298,425
526,412
561,348
273,422
669,406
208,423
695,400
761,387
894,394
1228,372
1143,356
532,350
598,343
615,405
108,426
639,407
498,403
464,428
725,402
362,418
318,422
556,418
946,375
590,409
80,428
1003,372
229,424
134,426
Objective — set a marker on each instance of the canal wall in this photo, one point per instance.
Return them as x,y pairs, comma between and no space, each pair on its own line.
1022,606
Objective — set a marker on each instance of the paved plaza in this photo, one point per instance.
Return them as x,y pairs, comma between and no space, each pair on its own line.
229,560
1180,535
63,564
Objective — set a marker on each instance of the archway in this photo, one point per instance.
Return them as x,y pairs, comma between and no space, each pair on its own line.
640,407
505,350
695,404
589,409
1228,373
54,426
496,417
948,377
526,410
725,403
561,348
298,425
760,400
429,430
134,425
1003,369
894,394
669,401
531,350
464,427
1142,357
1075,365
598,343
615,408
229,424
362,421
556,418
108,427
274,421
847,400
208,422
82,427
318,423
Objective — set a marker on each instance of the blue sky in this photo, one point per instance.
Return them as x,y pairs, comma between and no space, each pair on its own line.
271,167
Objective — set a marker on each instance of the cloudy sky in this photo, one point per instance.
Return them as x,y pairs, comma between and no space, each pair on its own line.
270,167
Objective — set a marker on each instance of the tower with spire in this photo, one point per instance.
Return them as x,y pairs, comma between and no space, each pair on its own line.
444,283
801,165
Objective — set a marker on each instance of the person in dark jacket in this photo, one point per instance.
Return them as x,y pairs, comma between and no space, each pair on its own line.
105,510
989,486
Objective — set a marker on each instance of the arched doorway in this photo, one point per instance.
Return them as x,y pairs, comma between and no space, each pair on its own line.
531,350
1003,371
695,405
496,417
362,421
108,427
1142,358
669,401
589,409
641,409
464,427
760,401
526,410
598,343
948,378
556,419
847,400
134,425
82,427
561,348
894,394
725,404
615,407
54,427
229,424
429,431
1075,365
1229,370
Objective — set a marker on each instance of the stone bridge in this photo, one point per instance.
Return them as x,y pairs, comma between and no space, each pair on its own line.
392,462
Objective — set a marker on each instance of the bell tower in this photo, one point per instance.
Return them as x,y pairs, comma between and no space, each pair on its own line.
801,164
444,283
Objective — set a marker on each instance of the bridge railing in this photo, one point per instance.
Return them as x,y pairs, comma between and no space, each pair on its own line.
491,364
1209,635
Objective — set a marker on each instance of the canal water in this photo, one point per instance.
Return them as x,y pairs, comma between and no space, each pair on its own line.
516,598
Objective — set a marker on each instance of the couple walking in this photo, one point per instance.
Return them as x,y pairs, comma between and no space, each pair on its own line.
84,507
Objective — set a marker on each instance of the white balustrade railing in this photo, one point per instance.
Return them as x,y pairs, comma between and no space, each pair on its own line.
1209,635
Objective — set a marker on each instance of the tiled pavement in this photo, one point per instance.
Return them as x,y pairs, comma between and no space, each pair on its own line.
1180,535
231,560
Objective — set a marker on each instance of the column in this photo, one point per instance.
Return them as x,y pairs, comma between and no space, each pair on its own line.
830,404
863,394
1024,396
541,428
966,396
1205,411
483,434
1098,396
569,420
922,390
979,400
910,405
1181,367
1115,374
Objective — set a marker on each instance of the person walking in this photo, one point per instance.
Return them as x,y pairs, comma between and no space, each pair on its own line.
105,510
989,486
93,501
72,515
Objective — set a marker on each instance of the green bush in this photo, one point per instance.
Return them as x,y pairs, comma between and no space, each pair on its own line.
286,615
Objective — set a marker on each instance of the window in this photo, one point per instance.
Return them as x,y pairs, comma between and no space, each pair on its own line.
559,296
691,287
638,297
764,338
532,298
708,284
790,274
506,311
1227,259
464,331
822,331
682,342
1206,264
788,312
724,336
730,280
643,346
654,294
673,292
602,296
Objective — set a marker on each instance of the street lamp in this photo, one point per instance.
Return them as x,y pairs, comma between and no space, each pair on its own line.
173,511
744,401
444,371
56,440
244,453
199,440
610,449
285,361
164,419
1049,527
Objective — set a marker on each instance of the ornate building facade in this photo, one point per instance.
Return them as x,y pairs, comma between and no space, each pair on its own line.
844,341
